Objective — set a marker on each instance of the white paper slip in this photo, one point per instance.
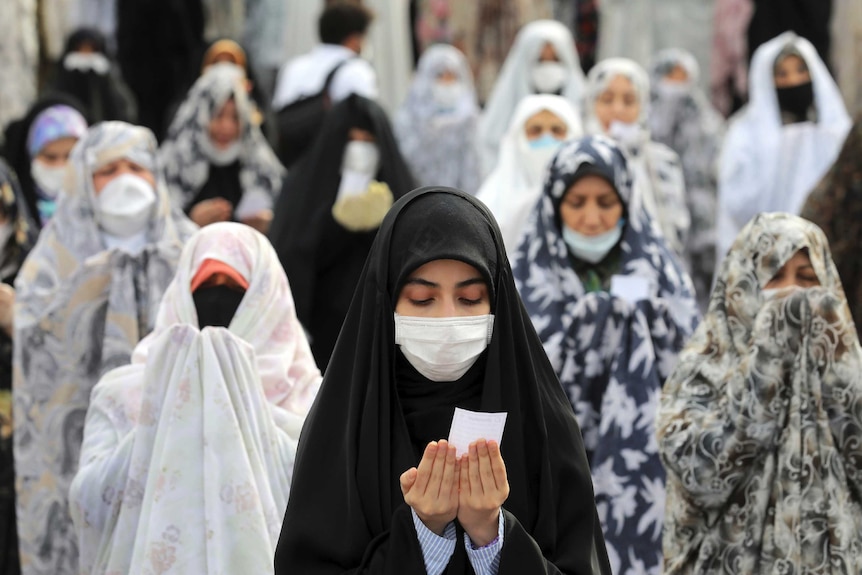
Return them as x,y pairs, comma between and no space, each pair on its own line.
468,426
251,204
631,288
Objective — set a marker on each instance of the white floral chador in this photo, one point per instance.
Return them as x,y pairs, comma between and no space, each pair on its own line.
188,452
760,423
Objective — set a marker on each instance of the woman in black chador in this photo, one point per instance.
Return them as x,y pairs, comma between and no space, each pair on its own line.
436,324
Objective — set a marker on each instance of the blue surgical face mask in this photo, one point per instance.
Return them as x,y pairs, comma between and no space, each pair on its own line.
546,141
592,249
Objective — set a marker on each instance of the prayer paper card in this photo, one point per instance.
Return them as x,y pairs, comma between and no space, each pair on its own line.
468,426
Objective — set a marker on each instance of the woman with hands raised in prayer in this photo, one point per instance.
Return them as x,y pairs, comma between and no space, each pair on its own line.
436,324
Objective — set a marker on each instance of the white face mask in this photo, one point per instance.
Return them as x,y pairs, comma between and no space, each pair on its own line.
536,160
446,94
220,156
592,249
50,179
362,157
549,77
125,205
626,134
443,348
85,62
670,90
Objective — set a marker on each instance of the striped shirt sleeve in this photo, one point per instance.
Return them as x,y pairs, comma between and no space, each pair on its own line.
436,550
486,560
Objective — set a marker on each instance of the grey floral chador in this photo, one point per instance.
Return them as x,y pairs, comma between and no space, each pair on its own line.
760,425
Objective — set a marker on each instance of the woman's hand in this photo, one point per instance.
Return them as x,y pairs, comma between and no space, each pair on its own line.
211,211
483,490
432,489
7,311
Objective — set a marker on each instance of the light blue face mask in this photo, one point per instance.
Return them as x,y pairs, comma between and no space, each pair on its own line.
546,141
592,249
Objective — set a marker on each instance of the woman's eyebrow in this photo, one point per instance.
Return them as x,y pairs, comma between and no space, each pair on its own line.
421,282
470,282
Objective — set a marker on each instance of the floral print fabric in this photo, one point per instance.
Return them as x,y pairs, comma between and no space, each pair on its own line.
80,310
184,152
759,423
188,452
611,355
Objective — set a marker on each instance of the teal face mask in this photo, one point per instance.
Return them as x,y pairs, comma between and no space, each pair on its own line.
592,249
546,141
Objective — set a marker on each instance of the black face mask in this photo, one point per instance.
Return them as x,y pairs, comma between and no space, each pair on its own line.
796,100
216,305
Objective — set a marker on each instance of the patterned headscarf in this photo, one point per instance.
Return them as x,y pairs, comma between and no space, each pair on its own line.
183,154
80,310
53,124
611,355
760,422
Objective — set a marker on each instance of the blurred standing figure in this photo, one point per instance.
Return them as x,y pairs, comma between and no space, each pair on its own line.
218,166
617,105
158,46
87,293
329,210
779,146
87,73
836,206
728,76
542,61
19,58
846,52
17,237
637,29
682,118
38,148
342,30
436,125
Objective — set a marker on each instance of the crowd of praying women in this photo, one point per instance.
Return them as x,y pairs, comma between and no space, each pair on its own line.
211,362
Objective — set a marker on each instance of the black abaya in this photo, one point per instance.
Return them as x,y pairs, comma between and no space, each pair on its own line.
322,259
346,513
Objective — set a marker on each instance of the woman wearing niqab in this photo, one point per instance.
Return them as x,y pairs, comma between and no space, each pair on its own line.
332,204
612,350
218,164
436,125
783,142
347,512
228,377
86,295
760,421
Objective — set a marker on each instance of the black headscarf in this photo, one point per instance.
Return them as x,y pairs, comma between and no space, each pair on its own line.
16,145
346,512
322,259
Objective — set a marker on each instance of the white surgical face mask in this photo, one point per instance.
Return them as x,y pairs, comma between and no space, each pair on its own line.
87,61
446,94
670,90
443,348
220,156
548,77
49,178
538,155
625,133
592,249
125,205
362,157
